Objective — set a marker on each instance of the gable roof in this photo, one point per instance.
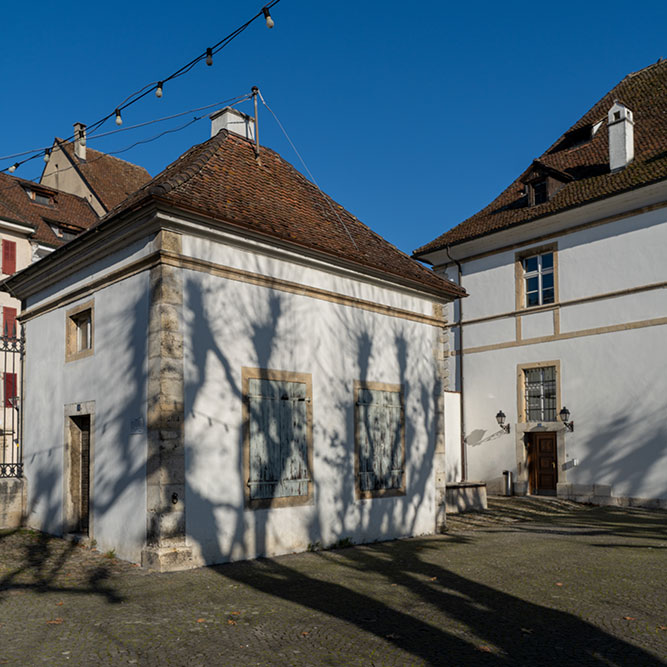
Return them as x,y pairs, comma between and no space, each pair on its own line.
585,160
221,179
69,211
109,177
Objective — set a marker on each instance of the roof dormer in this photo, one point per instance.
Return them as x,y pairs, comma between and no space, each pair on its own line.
542,182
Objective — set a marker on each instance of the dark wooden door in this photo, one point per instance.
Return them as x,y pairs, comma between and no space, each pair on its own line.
543,463
80,473
84,510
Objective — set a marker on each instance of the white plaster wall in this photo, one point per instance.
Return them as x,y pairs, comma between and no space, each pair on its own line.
256,262
98,269
453,436
637,307
612,257
491,332
614,385
486,280
535,325
115,379
229,325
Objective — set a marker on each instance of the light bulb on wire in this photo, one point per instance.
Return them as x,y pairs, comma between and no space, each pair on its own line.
12,169
47,155
269,21
209,56
119,120
158,90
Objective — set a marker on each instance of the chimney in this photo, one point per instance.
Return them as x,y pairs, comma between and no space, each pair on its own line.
621,136
80,141
233,121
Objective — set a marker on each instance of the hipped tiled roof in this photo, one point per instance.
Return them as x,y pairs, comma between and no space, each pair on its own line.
645,94
71,211
222,180
111,178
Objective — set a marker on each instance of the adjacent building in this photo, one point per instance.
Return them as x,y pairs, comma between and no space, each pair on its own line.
560,349
228,365
103,180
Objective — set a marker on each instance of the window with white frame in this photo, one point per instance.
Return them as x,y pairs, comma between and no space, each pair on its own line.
540,393
379,439
278,442
538,275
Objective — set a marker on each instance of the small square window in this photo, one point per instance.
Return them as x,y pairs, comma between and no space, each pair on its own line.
79,332
379,440
278,438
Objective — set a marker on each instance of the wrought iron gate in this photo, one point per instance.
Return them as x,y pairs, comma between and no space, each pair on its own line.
12,348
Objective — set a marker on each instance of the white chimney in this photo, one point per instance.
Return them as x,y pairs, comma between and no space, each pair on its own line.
80,141
621,136
233,121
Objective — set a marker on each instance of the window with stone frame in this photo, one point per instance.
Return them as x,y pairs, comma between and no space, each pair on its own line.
379,439
79,332
540,394
536,277
278,441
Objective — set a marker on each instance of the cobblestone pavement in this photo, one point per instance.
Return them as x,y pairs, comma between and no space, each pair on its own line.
540,582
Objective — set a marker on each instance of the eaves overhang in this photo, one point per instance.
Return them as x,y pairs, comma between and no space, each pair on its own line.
568,220
17,226
147,216
623,202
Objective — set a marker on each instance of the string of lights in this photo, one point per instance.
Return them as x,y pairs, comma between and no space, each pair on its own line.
231,102
157,86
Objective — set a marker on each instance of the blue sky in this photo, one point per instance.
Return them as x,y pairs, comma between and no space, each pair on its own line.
411,115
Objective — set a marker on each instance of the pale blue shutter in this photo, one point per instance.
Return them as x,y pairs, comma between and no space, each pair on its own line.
278,444
380,442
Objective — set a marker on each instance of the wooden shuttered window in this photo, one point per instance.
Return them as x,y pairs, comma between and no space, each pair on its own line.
8,257
10,389
8,321
380,440
278,439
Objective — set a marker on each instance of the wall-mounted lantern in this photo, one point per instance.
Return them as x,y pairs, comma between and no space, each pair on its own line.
564,415
500,418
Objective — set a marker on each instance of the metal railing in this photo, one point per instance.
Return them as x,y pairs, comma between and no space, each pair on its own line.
12,349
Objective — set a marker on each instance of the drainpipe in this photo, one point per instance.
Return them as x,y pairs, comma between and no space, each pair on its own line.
459,323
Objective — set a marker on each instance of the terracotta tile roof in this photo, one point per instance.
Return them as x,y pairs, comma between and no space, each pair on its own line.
645,94
69,211
111,178
221,179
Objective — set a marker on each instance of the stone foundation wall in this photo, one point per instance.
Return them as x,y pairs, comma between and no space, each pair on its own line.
601,494
465,497
12,502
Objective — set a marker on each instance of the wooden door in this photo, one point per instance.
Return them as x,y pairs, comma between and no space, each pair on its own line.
543,463
80,474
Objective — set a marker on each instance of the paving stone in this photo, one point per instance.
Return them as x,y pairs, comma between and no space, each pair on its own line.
530,581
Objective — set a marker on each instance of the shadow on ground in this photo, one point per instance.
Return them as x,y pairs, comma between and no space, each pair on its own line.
34,561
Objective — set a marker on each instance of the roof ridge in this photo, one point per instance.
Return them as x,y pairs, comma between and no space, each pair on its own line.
206,151
67,143
660,61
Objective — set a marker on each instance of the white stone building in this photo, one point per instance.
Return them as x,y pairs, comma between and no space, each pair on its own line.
231,365
566,273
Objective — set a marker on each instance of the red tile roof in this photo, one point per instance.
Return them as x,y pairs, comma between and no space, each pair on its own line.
645,94
110,178
70,211
221,179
